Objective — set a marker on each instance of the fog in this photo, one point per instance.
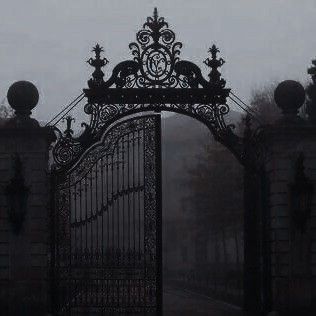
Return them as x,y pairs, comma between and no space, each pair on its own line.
48,42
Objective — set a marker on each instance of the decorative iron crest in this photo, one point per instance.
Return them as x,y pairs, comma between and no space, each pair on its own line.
155,80
156,53
156,63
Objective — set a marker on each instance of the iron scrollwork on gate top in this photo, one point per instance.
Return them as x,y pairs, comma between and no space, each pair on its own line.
156,64
154,80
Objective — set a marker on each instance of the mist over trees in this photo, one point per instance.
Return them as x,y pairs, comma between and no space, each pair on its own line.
263,105
203,202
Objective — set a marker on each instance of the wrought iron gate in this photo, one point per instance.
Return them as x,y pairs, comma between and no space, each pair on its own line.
107,246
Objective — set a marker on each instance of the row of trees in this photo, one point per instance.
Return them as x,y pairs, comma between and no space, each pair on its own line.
216,196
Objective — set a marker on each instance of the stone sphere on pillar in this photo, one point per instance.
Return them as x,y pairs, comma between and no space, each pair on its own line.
289,96
23,97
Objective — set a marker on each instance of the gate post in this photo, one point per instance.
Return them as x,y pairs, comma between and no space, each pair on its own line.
290,167
24,207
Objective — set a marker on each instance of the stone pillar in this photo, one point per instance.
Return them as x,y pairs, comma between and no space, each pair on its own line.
24,249
292,225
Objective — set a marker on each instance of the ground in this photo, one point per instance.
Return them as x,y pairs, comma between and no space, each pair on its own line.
186,303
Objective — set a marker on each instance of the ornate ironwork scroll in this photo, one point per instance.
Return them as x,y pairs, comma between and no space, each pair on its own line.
107,247
154,80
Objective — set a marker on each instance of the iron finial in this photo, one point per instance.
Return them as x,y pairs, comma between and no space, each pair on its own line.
155,24
68,132
97,49
155,14
97,63
214,64
214,50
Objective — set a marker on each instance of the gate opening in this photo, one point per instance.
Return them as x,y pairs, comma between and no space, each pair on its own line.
202,221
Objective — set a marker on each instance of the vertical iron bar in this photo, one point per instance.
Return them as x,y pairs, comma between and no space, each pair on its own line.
133,197
123,196
86,212
102,229
53,244
128,215
69,215
118,196
80,260
97,207
138,185
75,219
158,213
80,207
86,237
128,200
112,205
144,261
91,220
118,253
108,208
97,252
75,238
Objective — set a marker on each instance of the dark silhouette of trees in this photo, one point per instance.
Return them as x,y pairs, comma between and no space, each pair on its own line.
215,199
216,203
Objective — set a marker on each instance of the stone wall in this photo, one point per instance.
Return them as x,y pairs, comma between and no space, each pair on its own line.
24,255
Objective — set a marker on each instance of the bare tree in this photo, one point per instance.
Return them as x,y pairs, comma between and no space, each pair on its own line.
263,104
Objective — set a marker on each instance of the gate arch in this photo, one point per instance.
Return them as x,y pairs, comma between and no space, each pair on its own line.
154,80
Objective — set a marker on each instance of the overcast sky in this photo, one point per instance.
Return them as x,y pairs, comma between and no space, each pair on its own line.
48,41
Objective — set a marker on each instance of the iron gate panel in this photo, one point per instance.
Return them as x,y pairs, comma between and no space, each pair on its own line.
107,247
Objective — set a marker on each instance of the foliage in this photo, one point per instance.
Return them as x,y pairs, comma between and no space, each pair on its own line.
5,111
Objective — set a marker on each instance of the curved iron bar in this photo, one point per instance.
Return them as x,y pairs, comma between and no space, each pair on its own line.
104,208
108,140
155,80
